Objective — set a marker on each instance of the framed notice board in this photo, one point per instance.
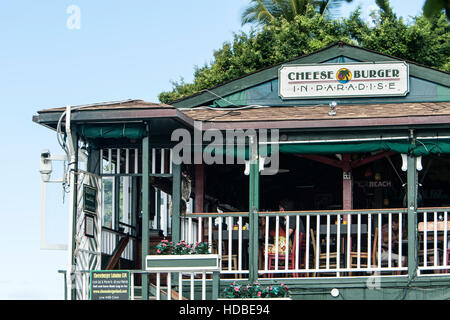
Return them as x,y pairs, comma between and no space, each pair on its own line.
89,199
109,285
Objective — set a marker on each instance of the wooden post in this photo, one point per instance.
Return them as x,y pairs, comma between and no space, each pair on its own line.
176,199
253,210
145,210
199,187
347,184
412,215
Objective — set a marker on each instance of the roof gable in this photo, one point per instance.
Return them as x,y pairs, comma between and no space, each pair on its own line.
338,52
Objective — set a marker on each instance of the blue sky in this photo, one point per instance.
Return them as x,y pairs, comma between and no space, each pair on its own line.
123,50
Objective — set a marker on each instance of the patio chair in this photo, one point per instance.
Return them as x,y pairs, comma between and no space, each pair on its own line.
291,255
375,262
322,256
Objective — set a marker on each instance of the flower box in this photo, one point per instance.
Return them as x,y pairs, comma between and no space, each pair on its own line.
262,299
182,262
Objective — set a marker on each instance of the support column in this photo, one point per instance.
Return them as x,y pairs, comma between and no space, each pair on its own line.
412,216
347,183
145,210
199,187
176,199
253,211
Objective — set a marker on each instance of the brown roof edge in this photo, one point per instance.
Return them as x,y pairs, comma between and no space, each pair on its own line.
113,105
334,123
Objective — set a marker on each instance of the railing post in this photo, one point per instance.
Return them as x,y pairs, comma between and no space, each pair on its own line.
215,285
145,210
253,210
412,215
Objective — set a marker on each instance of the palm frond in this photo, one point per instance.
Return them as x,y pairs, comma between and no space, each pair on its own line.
258,11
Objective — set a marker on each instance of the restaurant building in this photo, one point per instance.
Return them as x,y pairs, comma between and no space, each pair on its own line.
356,143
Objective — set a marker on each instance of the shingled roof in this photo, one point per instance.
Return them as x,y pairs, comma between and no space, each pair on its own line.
319,112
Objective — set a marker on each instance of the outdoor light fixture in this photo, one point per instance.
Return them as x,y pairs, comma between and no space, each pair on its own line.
404,162
333,105
419,164
46,165
334,292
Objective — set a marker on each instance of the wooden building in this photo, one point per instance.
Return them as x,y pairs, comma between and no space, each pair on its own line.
358,144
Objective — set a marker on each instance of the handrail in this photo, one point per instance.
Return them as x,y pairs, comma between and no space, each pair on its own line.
214,214
331,212
122,234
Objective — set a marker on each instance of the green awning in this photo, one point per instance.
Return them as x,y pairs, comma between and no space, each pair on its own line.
418,148
111,131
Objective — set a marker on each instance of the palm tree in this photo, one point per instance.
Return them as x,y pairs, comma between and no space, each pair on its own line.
264,11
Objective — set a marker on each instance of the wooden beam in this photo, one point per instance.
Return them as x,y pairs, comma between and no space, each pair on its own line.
359,163
322,159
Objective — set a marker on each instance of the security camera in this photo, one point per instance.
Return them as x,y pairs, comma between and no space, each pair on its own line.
46,165
45,153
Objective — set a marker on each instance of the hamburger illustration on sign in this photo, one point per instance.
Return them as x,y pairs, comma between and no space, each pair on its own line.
343,80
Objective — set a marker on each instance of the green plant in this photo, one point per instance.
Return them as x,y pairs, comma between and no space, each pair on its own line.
201,248
166,248
247,291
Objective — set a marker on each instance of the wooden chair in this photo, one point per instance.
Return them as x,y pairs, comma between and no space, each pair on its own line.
291,255
430,255
363,255
226,259
375,261
322,256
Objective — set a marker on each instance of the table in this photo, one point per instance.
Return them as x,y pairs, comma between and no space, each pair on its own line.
344,228
343,232
430,226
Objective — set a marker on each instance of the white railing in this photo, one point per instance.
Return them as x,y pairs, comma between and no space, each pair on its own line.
354,247
433,251
226,233
127,161
178,292
328,248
